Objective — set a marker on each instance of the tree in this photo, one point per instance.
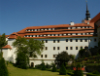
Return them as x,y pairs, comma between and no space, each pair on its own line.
35,47
54,69
62,57
22,60
3,41
3,68
62,70
43,66
25,47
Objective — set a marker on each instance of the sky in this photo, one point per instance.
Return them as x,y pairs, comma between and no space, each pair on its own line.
16,15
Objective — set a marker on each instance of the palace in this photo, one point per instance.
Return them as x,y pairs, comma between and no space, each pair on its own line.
57,38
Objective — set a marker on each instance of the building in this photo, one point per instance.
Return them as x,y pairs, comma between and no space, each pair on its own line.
57,38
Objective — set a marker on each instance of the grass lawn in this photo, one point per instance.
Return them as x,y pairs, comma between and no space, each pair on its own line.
14,71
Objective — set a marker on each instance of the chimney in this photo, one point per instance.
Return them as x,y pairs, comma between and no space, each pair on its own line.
71,23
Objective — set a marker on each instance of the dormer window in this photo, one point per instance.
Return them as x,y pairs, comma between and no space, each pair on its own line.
35,35
68,34
45,29
68,27
56,34
41,29
53,28
48,34
64,34
49,29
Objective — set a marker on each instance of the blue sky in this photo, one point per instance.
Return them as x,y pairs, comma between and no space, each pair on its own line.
16,15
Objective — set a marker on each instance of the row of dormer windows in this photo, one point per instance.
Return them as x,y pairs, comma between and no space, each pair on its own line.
45,29
59,34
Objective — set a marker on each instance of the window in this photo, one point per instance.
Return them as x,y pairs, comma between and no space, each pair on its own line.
76,40
66,40
70,33
45,56
41,56
58,48
71,48
86,47
76,48
46,41
95,39
46,48
30,54
54,41
70,40
54,56
66,48
80,40
35,56
58,41
54,48
81,47
85,40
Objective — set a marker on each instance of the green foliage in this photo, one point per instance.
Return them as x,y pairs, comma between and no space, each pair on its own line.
91,74
62,57
78,71
84,53
30,46
54,69
22,60
3,68
48,66
3,41
96,72
62,70
25,47
43,67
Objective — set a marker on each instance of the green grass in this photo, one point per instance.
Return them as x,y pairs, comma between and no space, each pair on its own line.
14,71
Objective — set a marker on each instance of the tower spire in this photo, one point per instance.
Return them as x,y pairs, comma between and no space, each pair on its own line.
87,12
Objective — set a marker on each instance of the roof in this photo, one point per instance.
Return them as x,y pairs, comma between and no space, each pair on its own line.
7,47
55,26
7,35
97,17
58,29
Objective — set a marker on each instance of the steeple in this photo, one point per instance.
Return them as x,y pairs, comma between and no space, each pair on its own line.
87,12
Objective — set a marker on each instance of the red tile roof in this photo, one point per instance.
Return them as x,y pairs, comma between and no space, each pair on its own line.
7,47
23,32
97,17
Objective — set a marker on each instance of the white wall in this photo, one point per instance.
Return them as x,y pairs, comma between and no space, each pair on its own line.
50,52
13,50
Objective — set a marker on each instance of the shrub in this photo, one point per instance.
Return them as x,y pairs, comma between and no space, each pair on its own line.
22,60
3,68
62,70
48,66
96,72
78,71
54,69
91,74
43,67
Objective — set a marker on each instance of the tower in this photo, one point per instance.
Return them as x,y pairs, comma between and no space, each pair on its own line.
87,12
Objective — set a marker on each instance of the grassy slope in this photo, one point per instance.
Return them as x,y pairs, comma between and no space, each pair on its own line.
13,71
